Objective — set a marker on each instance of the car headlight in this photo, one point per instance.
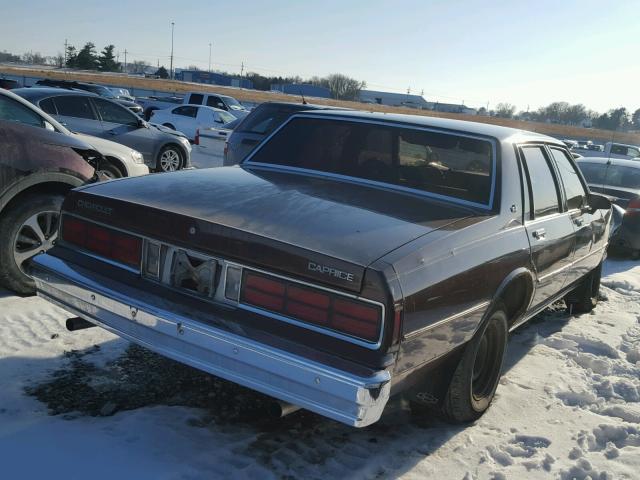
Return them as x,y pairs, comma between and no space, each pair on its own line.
136,157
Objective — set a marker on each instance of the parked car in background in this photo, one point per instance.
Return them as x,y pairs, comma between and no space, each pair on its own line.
209,145
584,144
188,119
595,147
163,149
256,126
570,143
619,179
223,102
614,150
93,88
118,160
8,84
351,257
39,164
122,93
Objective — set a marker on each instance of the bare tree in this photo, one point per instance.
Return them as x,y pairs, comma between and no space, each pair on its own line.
505,110
343,87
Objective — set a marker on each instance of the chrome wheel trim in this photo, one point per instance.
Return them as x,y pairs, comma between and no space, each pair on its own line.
36,235
169,160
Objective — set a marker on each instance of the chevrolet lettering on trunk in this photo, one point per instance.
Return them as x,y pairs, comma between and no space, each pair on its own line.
351,257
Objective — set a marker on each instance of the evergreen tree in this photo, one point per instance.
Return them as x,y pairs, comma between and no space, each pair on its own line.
162,72
72,57
87,58
106,60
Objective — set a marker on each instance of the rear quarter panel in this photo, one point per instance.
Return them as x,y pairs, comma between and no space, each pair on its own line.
449,277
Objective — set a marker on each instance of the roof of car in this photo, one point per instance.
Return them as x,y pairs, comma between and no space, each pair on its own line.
614,161
36,93
474,128
306,106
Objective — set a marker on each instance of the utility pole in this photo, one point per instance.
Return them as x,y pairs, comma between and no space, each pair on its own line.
125,61
65,52
209,57
171,63
241,70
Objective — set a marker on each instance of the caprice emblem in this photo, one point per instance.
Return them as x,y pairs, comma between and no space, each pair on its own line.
95,207
333,272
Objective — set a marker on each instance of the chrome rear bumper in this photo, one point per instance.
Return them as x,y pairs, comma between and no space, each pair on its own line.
342,396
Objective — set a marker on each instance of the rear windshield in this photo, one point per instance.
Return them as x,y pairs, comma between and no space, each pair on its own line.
266,118
445,164
614,176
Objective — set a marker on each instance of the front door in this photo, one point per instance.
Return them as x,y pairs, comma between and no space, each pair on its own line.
550,229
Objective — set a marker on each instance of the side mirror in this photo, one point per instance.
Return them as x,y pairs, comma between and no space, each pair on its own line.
142,123
598,202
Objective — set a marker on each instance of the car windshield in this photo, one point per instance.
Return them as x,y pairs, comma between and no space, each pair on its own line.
102,91
444,165
233,103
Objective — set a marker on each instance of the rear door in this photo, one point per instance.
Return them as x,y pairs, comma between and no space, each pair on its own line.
77,114
185,120
576,205
550,229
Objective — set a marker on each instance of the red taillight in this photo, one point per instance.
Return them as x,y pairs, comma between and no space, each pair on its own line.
633,207
314,306
111,244
197,139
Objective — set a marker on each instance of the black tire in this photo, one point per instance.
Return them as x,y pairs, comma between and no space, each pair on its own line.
474,382
20,241
168,125
110,170
584,297
167,162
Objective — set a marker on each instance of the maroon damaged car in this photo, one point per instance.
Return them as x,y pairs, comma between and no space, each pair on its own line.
349,258
38,165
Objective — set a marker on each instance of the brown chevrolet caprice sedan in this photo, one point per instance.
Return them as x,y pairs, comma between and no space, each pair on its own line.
349,258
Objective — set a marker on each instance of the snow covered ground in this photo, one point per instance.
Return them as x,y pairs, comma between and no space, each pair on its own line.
568,407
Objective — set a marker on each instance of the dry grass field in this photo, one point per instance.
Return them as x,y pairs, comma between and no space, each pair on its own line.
558,131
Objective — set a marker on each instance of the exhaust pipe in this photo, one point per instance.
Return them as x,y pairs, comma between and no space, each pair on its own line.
279,409
77,323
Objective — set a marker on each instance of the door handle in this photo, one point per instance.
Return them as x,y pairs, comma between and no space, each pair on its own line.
539,234
578,221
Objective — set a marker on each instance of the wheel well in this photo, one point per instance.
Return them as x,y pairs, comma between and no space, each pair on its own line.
116,162
45,187
516,296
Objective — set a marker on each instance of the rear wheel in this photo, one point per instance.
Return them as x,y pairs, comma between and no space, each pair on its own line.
28,228
169,159
476,377
584,297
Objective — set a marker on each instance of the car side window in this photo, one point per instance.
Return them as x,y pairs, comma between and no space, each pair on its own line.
546,200
114,113
216,103
186,111
16,112
633,152
574,190
196,98
74,106
48,106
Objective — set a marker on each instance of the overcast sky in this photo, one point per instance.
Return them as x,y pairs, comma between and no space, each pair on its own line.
526,53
